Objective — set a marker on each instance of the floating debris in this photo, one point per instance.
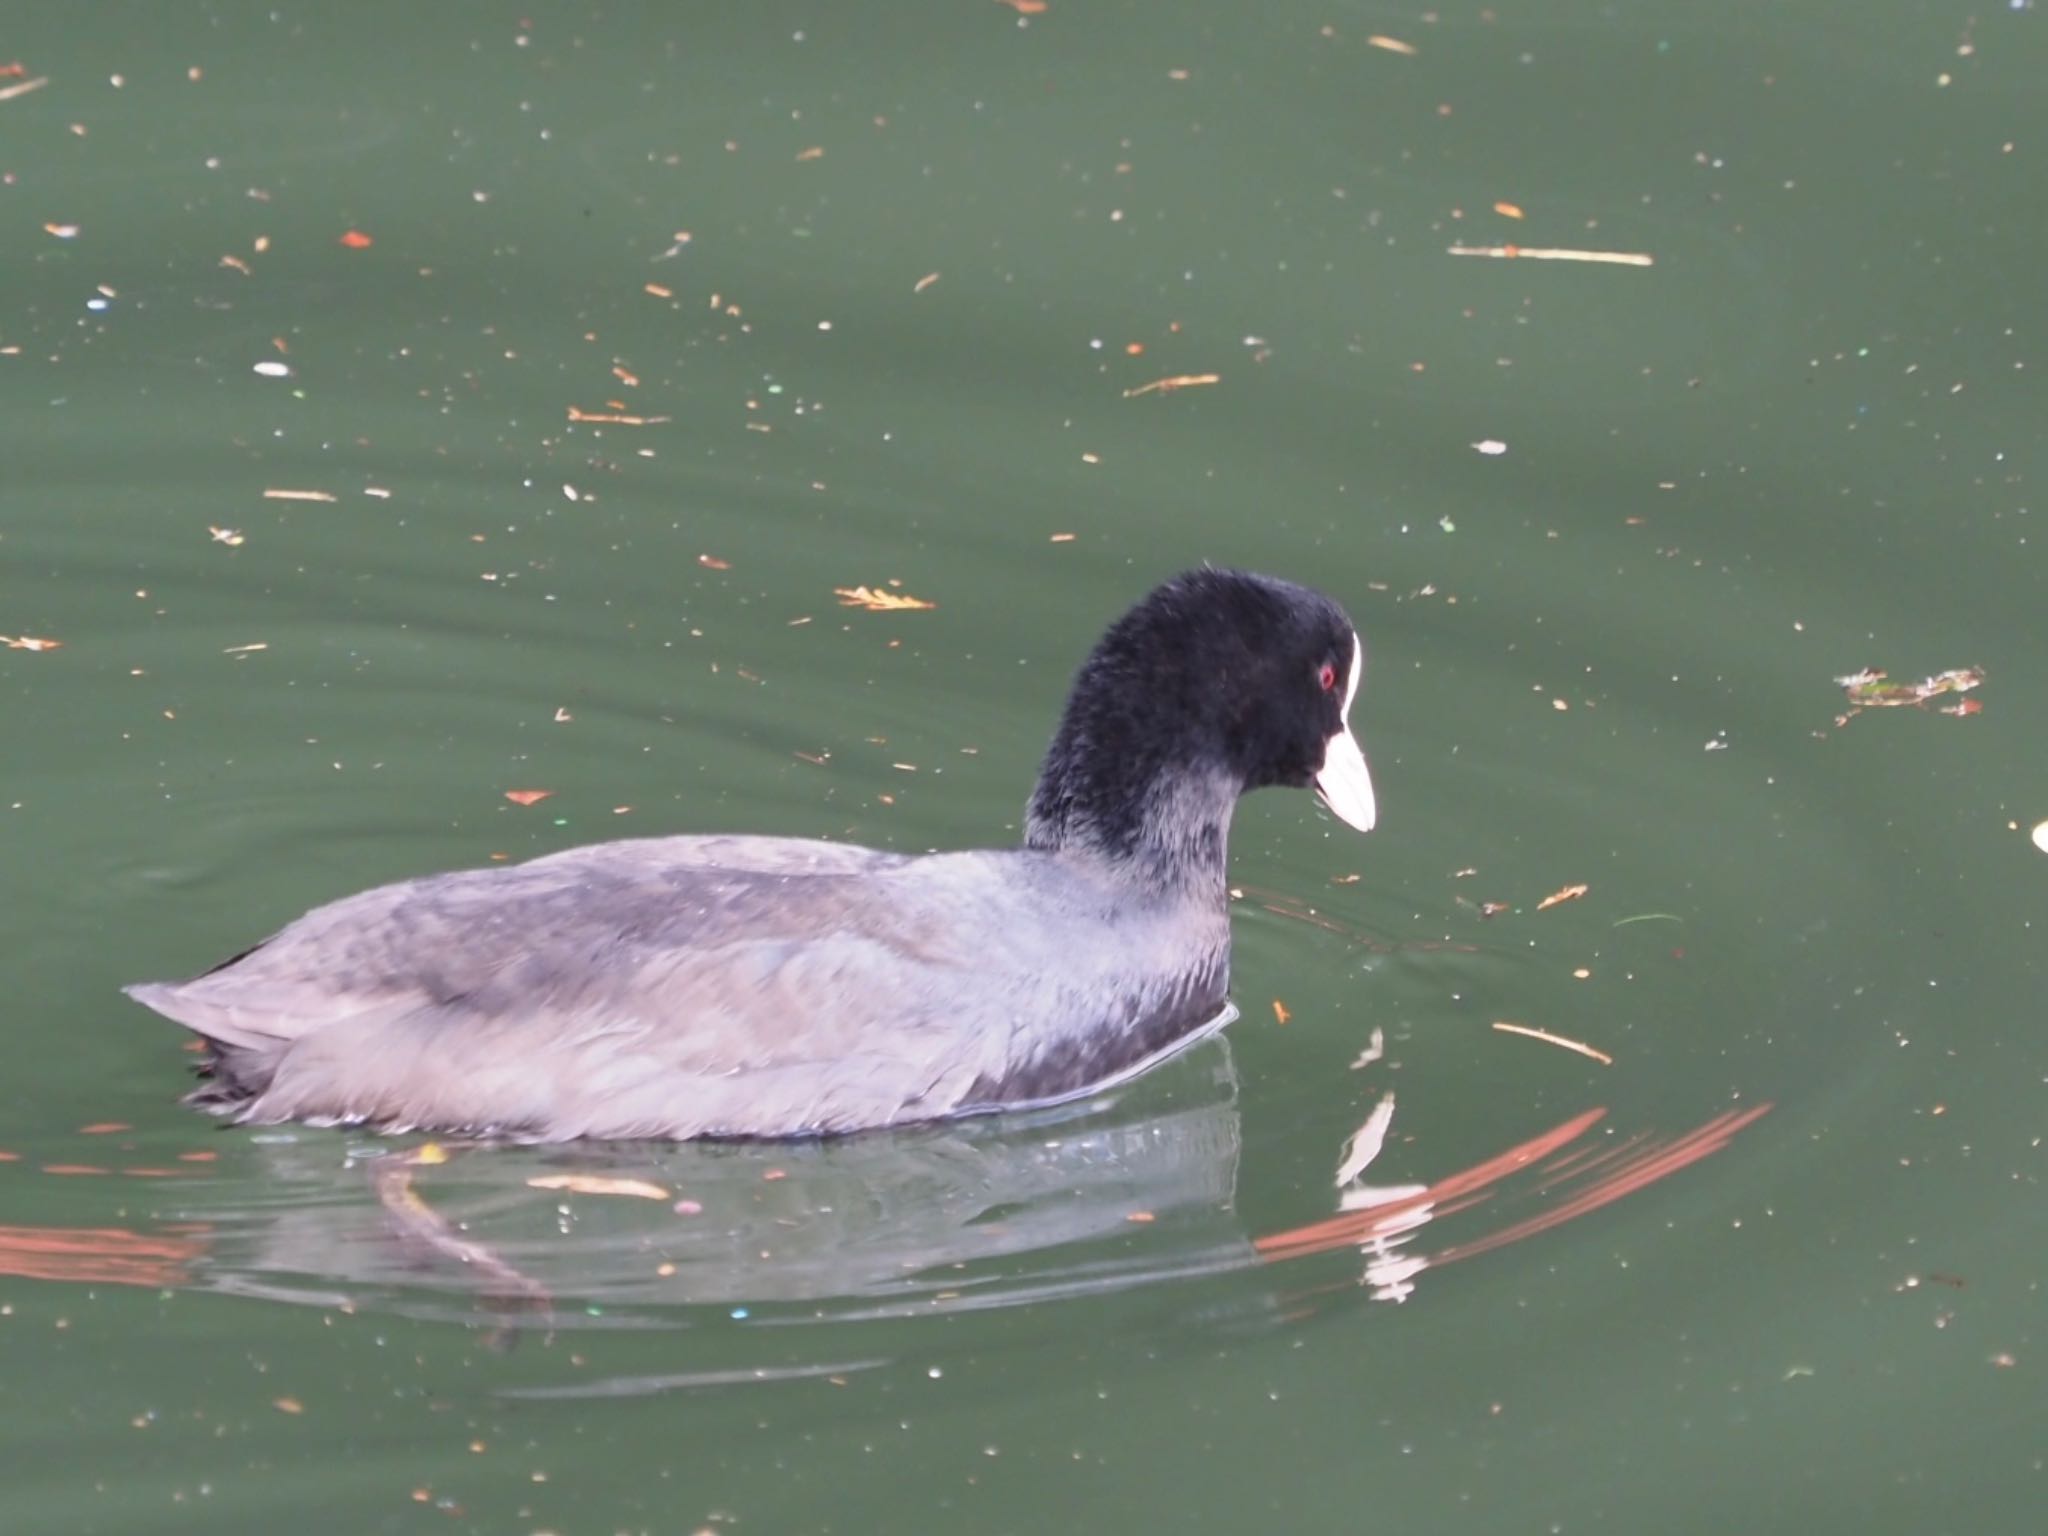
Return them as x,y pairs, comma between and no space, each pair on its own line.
1548,1038
1366,1141
1871,689
593,1184
877,601
1543,253
1178,381
615,418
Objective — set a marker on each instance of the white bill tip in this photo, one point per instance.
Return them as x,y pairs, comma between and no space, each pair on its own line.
1345,783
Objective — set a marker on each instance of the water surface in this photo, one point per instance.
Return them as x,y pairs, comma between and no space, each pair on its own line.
592,350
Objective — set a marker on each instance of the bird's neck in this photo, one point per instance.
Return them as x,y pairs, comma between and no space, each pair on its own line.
1163,828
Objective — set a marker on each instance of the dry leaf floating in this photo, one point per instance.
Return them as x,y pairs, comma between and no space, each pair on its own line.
877,601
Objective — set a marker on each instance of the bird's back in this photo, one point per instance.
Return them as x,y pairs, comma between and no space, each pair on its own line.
703,986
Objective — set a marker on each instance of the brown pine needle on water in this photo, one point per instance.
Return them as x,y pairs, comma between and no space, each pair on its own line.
1177,381
1546,253
1548,1038
615,418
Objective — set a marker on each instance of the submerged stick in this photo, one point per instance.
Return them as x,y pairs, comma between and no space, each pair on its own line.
508,1287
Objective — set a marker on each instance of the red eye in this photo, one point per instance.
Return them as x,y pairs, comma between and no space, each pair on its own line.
1326,679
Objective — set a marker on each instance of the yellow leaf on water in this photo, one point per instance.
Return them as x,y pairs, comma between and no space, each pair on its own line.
594,1184
877,601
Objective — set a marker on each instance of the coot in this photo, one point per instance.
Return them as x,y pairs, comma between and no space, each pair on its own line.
759,986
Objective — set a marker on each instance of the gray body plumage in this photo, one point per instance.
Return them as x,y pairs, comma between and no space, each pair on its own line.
720,986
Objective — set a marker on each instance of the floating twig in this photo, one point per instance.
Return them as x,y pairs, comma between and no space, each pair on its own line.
1548,253
616,418
1177,381
1548,1038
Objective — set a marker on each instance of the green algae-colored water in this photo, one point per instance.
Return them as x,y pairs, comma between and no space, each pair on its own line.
596,347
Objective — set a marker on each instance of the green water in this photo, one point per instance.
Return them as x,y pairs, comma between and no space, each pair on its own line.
1777,1267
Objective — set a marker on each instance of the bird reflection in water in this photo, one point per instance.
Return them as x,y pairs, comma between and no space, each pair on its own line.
1136,1189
